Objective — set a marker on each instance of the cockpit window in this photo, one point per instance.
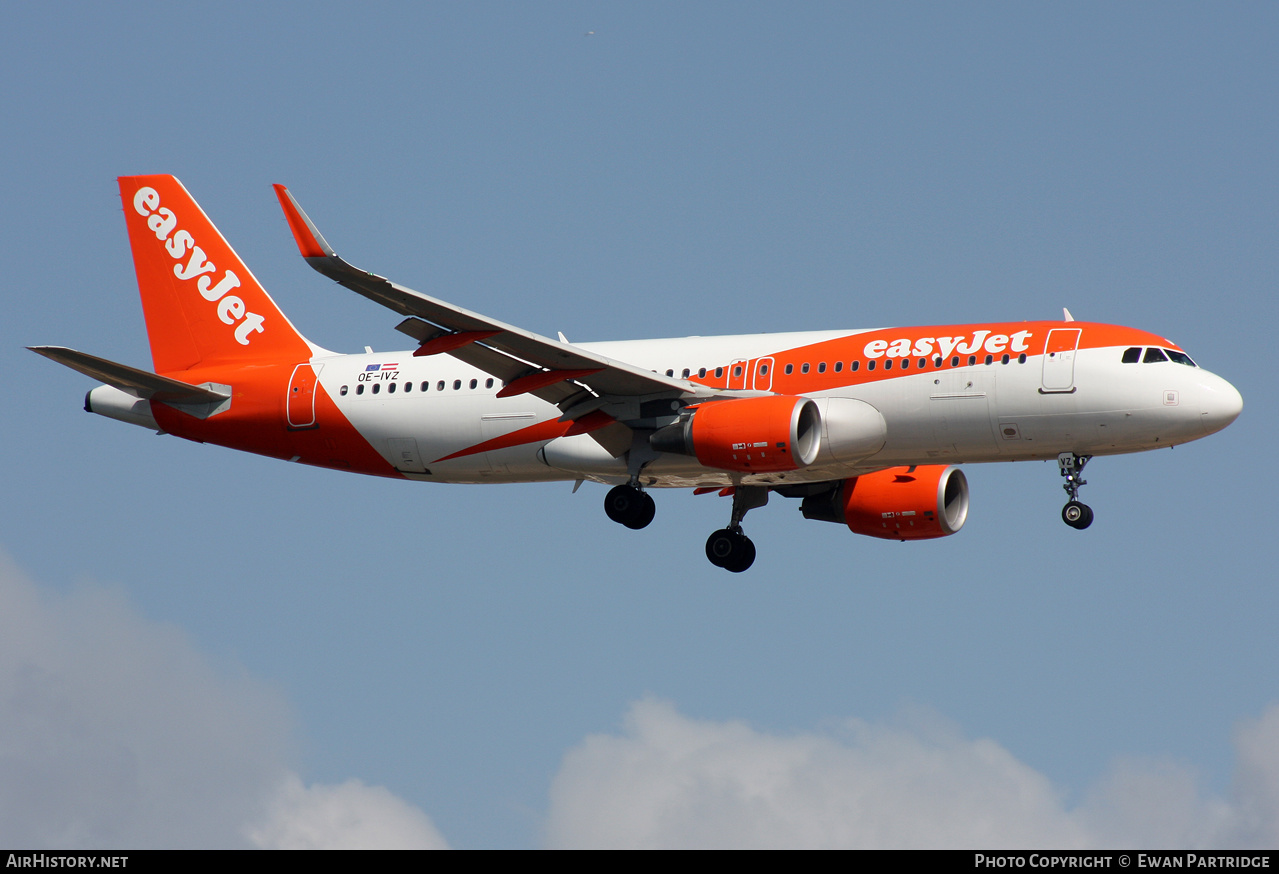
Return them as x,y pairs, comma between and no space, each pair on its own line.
1153,355
1180,357
1133,355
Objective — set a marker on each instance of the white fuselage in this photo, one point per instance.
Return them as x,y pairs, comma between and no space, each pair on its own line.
426,409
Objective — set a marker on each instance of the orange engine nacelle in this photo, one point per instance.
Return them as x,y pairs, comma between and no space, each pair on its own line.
900,503
752,435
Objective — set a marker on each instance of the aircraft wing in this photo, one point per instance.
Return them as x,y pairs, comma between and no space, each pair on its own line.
527,362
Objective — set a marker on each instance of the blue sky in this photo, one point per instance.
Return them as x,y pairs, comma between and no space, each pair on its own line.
275,651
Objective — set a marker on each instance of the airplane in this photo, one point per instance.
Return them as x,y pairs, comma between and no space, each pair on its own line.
865,428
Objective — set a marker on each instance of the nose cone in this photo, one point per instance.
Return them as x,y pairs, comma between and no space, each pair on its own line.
1220,403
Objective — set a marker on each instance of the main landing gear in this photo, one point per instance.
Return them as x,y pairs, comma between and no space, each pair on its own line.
630,505
729,547
1074,514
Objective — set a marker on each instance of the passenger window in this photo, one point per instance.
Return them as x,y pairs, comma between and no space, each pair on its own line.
670,373
937,361
839,365
870,365
488,383
1180,357
1133,355
1005,359
854,365
923,362
1021,359
377,387
737,371
439,386
408,386
359,389
804,367
763,370
719,373
391,388
905,363
684,373
954,362
1154,355
990,359
972,360
790,368
457,384
821,368
888,364
342,391
701,373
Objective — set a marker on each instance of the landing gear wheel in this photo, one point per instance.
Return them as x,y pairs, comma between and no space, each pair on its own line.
647,510
1077,515
719,546
731,550
744,558
629,506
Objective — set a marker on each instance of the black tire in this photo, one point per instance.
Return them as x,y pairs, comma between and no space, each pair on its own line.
1087,520
623,503
731,550
743,557
1076,515
645,510
720,547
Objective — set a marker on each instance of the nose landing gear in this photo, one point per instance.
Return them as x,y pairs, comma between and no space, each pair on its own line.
1074,514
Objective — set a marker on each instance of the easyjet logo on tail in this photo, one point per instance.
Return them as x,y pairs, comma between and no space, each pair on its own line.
181,245
965,344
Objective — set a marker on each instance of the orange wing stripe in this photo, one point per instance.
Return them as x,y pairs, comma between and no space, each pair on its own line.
449,342
590,422
541,379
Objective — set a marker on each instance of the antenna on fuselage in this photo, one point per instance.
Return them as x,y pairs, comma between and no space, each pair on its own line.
1066,313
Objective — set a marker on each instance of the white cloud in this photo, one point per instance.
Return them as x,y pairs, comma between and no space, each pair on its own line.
670,781
1256,823
116,732
351,816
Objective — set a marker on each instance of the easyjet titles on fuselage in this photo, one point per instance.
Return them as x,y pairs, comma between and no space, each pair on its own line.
230,308
995,344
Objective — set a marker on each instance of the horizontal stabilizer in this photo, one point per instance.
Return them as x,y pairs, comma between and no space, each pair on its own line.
139,383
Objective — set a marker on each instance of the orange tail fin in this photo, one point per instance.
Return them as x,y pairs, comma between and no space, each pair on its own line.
202,305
